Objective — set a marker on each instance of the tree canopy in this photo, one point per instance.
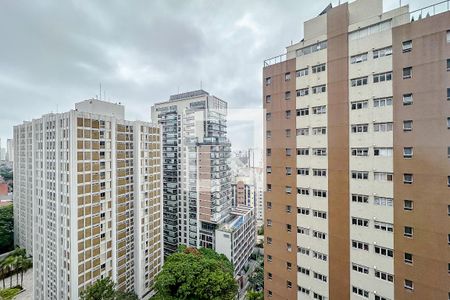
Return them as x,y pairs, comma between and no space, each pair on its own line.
6,228
200,274
105,289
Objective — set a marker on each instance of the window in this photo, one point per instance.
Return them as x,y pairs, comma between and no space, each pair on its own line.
319,234
269,187
360,151
288,189
303,211
384,276
288,227
303,151
360,175
448,152
408,205
384,251
386,152
287,114
319,193
407,125
408,258
360,198
269,170
268,99
288,284
268,80
302,131
407,73
382,127
320,277
319,214
288,247
269,258
380,102
269,240
302,250
448,122
448,181
360,268
287,76
288,209
360,292
357,128
303,171
319,89
448,94
360,222
269,152
303,270
360,245
319,151
319,130
448,210
269,205
387,76
270,294
268,116
268,134
318,68
378,53
302,111
303,191
448,64
409,285
359,58
320,256
269,222
383,201
269,275
287,132
358,81
360,104
303,290
407,152
312,48
287,95
318,297
407,99
320,172
319,110
302,92
301,72
369,30
382,176
407,46
303,230
288,171
448,36
408,178
389,227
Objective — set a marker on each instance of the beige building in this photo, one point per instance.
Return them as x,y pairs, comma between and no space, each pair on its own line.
352,184
88,200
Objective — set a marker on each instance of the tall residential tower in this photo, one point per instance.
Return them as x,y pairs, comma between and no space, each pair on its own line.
87,201
357,157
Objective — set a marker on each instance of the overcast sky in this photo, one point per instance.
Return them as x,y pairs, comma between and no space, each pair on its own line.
55,53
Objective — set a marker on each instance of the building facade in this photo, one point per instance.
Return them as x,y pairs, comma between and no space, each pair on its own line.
196,172
9,150
236,237
347,176
87,200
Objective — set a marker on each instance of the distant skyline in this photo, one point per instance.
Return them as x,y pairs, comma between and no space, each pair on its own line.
56,53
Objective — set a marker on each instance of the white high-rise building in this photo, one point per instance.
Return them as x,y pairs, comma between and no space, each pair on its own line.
9,150
87,201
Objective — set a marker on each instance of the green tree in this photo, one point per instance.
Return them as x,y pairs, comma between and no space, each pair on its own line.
6,228
253,295
200,274
256,279
102,289
105,289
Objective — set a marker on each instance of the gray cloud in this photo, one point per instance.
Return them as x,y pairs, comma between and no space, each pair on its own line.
55,53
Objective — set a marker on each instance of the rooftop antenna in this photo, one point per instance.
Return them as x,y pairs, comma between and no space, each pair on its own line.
100,91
